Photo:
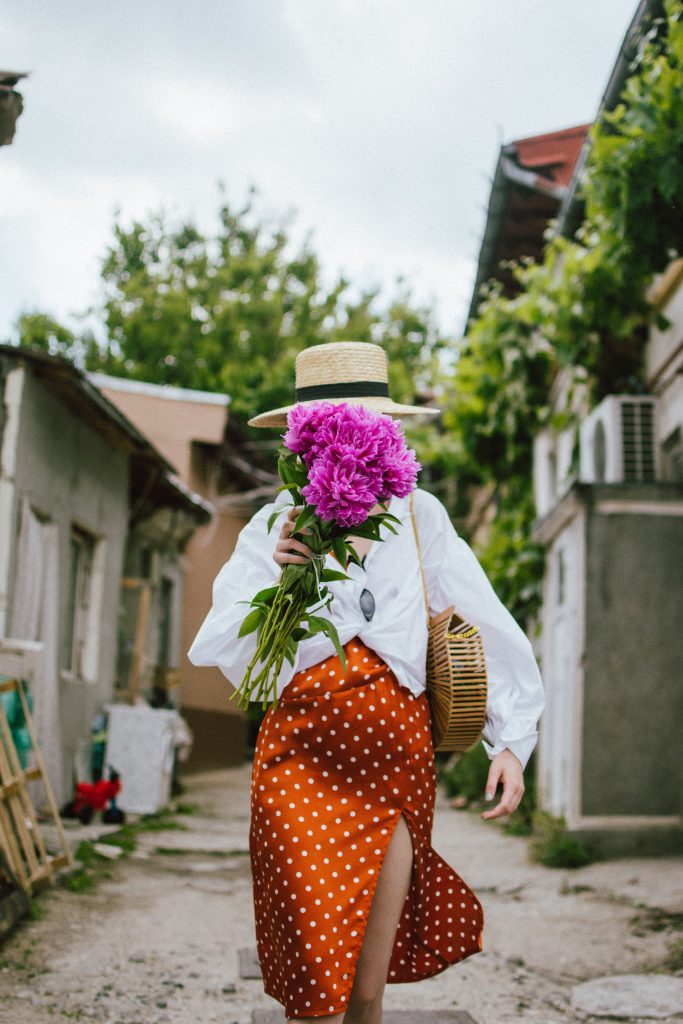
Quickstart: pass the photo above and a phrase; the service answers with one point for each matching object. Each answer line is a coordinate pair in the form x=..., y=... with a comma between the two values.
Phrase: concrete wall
x=59, y=467
x=633, y=697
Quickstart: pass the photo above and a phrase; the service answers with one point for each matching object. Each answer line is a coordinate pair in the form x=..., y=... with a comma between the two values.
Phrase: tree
x=229, y=312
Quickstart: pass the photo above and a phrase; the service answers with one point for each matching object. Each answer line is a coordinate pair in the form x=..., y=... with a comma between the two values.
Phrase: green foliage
x=92, y=868
x=553, y=846
x=467, y=777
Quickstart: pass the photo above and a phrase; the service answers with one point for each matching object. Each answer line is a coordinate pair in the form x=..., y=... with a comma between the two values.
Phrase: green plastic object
x=11, y=703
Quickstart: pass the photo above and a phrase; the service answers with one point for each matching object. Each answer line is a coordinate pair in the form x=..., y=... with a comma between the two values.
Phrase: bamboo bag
x=457, y=683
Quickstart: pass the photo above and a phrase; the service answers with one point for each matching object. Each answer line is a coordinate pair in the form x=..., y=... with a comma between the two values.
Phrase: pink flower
x=303, y=423
x=354, y=457
x=341, y=487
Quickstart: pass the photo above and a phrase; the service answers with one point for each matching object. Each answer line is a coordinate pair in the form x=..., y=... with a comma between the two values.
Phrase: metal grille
x=637, y=440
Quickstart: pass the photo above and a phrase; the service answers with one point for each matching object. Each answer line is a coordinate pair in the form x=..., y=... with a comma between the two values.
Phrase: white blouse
x=398, y=630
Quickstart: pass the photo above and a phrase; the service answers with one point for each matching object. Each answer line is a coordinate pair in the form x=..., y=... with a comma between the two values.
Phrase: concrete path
x=159, y=942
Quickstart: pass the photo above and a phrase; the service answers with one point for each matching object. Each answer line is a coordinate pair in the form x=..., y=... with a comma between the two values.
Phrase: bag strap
x=419, y=555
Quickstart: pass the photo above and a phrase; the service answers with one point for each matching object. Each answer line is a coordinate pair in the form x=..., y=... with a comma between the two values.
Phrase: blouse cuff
x=521, y=748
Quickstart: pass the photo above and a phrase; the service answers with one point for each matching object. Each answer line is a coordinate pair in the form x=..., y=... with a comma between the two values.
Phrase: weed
x=161, y=825
x=674, y=957
x=80, y=880
x=553, y=846
x=188, y=808
x=36, y=910
x=125, y=838
x=573, y=890
x=655, y=919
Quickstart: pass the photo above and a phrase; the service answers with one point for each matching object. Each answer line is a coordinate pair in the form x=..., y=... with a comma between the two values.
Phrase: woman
x=349, y=894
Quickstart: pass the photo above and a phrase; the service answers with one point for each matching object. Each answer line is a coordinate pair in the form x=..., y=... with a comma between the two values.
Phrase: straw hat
x=342, y=371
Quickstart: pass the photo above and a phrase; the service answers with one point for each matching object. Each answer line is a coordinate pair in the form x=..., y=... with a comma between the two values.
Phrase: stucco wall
x=72, y=475
x=633, y=699
x=171, y=423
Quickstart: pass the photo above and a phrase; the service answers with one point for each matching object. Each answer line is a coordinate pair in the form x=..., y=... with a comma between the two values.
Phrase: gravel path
x=158, y=941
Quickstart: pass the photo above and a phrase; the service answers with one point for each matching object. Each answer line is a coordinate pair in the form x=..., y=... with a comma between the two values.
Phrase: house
x=609, y=748
x=611, y=523
x=85, y=498
x=217, y=459
x=530, y=181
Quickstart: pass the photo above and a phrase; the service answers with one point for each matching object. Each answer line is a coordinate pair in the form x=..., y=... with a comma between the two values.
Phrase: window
x=82, y=550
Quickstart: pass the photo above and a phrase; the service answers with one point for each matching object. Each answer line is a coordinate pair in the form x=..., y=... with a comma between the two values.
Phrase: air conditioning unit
x=617, y=441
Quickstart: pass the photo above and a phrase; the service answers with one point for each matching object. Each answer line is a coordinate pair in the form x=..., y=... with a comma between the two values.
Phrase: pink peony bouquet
x=337, y=461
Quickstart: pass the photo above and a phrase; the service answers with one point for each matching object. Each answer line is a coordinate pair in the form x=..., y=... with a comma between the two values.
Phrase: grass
x=94, y=867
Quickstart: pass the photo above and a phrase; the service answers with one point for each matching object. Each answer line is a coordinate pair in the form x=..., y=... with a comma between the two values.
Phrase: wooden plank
x=38, y=772
x=139, y=642
x=21, y=839
x=21, y=808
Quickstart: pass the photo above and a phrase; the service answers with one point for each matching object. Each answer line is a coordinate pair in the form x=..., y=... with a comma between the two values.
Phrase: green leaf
x=340, y=549
x=306, y=516
x=329, y=575
x=266, y=596
x=273, y=515
x=251, y=622
x=290, y=651
x=320, y=625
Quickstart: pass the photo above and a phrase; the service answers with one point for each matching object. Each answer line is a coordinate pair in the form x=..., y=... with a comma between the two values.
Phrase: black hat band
x=351, y=389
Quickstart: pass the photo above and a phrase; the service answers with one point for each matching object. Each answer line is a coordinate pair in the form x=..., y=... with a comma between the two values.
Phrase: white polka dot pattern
x=336, y=763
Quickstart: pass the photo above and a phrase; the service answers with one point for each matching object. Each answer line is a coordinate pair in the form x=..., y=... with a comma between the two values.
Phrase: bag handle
x=419, y=555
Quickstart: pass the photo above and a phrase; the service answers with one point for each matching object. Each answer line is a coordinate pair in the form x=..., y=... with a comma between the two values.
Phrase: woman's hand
x=505, y=767
x=287, y=545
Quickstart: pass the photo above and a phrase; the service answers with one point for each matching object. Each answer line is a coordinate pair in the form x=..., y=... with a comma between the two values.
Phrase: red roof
x=552, y=155
x=529, y=183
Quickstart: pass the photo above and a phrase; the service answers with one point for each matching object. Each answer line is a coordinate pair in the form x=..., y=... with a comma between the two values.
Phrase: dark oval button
x=367, y=604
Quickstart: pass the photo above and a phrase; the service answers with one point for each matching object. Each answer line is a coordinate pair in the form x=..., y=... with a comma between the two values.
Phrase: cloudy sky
x=377, y=121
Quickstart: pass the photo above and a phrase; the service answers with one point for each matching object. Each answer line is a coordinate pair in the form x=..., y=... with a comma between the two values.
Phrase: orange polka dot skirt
x=336, y=763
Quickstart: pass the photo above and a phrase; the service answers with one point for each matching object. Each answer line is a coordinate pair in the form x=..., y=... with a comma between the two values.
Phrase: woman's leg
x=365, y=1005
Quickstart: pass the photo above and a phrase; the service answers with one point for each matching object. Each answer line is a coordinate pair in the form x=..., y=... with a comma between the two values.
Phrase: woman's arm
x=454, y=576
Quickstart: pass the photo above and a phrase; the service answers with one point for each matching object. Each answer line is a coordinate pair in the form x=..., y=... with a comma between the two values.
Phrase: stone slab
x=249, y=964
x=277, y=1016
x=655, y=996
